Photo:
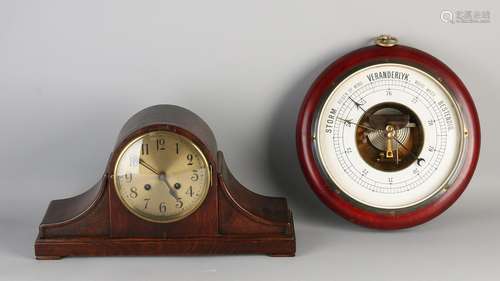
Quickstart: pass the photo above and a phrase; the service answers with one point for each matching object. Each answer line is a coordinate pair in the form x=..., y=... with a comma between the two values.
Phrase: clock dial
x=162, y=176
x=389, y=136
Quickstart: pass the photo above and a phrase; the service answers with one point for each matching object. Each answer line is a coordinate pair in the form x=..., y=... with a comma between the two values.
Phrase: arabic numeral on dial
x=133, y=192
x=364, y=172
x=160, y=144
x=145, y=149
x=414, y=100
x=179, y=204
x=430, y=122
x=348, y=150
x=146, y=202
x=190, y=159
x=163, y=207
x=134, y=161
x=128, y=177
x=195, y=176
x=388, y=93
x=390, y=180
x=190, y=191
x=431, y=148
x=415, y=171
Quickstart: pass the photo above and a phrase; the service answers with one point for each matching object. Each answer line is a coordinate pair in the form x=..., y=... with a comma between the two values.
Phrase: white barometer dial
x=389, y=136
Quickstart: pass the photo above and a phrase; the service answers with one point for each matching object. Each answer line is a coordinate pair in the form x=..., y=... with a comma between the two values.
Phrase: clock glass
x=162, y=176
x=389, y=136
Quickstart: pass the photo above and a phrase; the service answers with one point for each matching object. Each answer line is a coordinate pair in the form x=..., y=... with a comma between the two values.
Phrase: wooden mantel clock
x=166, y=191
x=388, y=136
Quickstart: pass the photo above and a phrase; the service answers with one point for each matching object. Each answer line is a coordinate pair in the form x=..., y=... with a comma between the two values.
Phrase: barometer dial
x=162, y=176
x=388, y=136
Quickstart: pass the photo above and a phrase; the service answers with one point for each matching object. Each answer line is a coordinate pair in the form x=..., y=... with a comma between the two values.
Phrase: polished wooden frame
x=231, y=220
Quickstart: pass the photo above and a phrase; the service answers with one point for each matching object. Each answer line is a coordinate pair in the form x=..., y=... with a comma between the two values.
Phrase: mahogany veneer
x=231, y=220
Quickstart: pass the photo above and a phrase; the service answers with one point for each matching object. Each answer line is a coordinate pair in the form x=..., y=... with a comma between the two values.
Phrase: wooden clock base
x=246, y=223
x=53, y=249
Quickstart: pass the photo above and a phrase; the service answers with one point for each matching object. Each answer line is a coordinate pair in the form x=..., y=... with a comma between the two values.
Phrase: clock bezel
x=131, y=138
x=329, y=193
x=174, y=218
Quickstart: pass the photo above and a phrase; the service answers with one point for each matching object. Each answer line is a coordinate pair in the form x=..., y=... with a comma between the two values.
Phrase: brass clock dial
x=162, y=177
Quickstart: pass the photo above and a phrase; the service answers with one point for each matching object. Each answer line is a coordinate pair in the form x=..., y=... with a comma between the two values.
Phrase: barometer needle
x=411, y=152
x=358, y=105
x=390, y=136
x=359, y=125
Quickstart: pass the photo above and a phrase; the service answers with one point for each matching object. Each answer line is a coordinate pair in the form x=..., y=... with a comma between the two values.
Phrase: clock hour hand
x=171, y=190
x=162, y=178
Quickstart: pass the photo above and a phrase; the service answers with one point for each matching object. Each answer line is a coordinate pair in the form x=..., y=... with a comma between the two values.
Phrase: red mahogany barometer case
x=388, y=136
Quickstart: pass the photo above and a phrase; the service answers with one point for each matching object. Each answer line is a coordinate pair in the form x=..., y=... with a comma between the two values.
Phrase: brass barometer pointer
x=390, y=136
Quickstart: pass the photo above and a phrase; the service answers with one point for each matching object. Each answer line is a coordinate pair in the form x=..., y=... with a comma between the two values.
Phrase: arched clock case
x=119, y=217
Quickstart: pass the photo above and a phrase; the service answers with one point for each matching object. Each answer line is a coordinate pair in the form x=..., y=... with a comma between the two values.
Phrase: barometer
x=166, y=190
x=388, y=136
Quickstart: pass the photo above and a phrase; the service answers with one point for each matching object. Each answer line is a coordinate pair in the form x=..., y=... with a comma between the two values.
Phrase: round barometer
x=388, y=136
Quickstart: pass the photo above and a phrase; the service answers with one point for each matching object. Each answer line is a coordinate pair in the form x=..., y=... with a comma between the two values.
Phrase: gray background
x=72, y=72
